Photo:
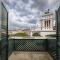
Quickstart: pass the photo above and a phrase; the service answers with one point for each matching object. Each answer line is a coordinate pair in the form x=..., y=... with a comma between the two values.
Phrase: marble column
x=51, y=23
x=43, y=24
x=46, y=24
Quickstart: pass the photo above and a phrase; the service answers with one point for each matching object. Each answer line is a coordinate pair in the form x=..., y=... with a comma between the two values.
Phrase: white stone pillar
x=43, y=24
x=46, y=25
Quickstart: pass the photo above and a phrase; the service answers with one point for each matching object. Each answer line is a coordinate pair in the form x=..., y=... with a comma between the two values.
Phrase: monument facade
x=47, y=21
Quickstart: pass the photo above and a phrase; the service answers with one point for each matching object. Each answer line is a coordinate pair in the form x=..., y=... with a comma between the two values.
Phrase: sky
x=26, y=13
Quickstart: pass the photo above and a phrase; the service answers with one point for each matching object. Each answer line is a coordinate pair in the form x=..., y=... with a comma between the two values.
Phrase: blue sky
x=25, y=13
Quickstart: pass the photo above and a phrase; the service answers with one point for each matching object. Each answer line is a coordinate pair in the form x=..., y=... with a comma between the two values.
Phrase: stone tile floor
x=30, y=56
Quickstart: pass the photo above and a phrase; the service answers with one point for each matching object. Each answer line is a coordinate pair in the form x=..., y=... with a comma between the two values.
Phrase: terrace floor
x=30, y=56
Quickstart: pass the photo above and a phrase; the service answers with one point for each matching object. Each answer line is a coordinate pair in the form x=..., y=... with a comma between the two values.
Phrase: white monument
x=47, y=21
x=45, y=25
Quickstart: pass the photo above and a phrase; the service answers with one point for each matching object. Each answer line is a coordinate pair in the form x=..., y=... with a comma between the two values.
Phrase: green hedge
x=21, y=34
x=36, y=34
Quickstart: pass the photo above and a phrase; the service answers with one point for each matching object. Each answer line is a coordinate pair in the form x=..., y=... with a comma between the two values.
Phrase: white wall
x=43, y=33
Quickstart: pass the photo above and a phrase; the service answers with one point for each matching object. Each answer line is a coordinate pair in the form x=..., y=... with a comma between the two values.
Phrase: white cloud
x=50, y=1
x=23, y=14
x=18, y=21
